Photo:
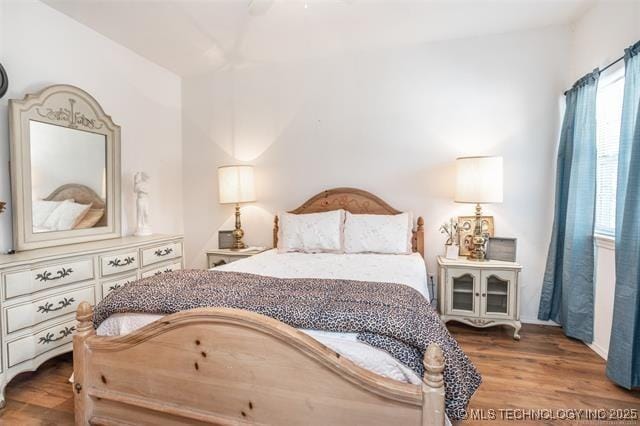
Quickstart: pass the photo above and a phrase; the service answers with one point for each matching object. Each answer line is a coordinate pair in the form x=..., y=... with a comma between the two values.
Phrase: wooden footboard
x=228, y=366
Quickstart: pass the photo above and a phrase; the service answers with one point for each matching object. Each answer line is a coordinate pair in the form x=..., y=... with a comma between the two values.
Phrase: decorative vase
x=452, y=251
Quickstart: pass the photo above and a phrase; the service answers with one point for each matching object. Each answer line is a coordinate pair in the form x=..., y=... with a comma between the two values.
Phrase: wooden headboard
x=355, y=201
x=80, y=194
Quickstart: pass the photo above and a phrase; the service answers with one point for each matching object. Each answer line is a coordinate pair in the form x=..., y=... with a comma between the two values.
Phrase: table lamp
x=236, y=185
x=478, y=181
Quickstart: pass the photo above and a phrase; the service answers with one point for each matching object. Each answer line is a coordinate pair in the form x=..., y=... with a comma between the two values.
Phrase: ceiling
x=198, y=36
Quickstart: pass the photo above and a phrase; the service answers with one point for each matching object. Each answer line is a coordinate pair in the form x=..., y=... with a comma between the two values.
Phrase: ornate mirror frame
x=71, y=107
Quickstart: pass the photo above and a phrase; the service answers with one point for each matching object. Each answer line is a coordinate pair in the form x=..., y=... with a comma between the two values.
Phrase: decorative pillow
x=66, y=216
x=378, y=233
x=90, y=219
x=311, y=232
x=41, y=211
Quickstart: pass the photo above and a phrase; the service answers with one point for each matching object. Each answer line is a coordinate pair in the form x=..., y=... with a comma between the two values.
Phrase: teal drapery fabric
x=567, y=289
x=623, y=363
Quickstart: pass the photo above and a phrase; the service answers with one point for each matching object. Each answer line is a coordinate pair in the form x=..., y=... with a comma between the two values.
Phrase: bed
x=366, y=267
x=232, y=366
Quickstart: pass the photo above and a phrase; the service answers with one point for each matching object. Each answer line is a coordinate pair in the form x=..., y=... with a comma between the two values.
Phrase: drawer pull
x=219, y=263
x=48, y=306
x=47, y=276
x=119, y=262
x=163, y=272
x=63, y=333
x=163, y=252
x=117, y=286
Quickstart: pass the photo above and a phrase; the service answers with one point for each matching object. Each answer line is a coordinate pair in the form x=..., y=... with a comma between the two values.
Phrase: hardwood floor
x=41, y=398
x=544, y=370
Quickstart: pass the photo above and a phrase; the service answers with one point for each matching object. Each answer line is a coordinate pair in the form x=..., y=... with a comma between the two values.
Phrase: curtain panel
x=567, y=290
x=623, y=363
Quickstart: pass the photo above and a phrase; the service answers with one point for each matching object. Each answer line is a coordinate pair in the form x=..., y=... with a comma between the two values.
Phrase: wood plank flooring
x=544, y=370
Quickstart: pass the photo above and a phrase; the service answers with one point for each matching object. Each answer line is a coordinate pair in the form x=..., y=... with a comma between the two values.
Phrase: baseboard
x=599, y=350
x=538, y=322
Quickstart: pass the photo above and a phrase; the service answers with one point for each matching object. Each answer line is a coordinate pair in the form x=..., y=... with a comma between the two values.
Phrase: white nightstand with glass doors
x=479, y=293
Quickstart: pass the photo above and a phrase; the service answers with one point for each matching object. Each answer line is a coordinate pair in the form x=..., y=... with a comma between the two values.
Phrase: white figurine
x=142, y=203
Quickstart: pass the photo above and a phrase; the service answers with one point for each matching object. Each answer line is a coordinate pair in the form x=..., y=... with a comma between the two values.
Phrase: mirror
x=64, y=163
x=65, y=169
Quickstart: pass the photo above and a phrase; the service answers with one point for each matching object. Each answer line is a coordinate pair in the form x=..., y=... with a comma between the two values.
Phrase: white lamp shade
x=236, y=184
x=479, y=180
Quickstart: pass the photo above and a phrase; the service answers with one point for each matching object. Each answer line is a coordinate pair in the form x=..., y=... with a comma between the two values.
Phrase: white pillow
x=378, y=233
x=66, y=216
x=311, y=232
x=41, y=211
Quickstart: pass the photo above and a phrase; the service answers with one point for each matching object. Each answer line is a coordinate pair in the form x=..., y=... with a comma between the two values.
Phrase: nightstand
x=219, y=257
x=479, y=293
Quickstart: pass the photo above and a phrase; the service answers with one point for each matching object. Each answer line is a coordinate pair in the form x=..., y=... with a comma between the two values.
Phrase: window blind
x=608, y=118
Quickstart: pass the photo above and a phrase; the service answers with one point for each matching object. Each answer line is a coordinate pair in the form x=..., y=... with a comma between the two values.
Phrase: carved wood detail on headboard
x=355, y=201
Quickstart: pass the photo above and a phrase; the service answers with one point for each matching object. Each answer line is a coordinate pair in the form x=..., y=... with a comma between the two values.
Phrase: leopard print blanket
x=392, y=317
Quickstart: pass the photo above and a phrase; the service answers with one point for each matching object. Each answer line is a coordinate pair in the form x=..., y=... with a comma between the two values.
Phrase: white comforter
x=402, y=269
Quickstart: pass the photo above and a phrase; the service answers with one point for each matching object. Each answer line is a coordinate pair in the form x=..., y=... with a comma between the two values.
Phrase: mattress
x=401, y=269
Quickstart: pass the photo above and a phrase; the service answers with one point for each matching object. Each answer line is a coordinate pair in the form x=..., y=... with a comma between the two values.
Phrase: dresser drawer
x=109, y=286
x=47, y=308
x=50, y=338
x=117, y=263
x=161, y=253
x=162, y=270
x=44, y=277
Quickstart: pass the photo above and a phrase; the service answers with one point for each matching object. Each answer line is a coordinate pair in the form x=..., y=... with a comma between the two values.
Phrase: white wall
x=40, y=46
x=601, y=35
x=597, y=38
x=390, y=121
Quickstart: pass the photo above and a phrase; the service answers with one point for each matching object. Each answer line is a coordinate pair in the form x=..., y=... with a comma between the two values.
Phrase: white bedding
x=403, y=269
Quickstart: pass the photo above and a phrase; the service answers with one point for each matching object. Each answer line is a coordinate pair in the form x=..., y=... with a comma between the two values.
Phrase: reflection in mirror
x=68, y=178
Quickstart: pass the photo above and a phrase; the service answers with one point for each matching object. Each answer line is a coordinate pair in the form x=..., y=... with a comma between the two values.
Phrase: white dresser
x=41, y=289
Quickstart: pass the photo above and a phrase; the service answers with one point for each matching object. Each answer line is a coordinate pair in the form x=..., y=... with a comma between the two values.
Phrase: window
x=608, y=118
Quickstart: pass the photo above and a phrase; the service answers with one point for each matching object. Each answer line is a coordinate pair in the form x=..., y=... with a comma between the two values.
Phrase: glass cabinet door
x=496, y=293
x=464, y=292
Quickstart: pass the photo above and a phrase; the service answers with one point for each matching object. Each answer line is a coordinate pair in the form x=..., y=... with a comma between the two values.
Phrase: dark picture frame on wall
x=504, y=249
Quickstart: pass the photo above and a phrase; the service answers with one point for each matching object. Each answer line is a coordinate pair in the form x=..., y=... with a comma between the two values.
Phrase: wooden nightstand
x=219, y=257
x=479, y=293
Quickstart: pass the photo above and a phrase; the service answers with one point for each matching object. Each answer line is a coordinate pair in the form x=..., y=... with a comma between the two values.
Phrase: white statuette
x=140, y=187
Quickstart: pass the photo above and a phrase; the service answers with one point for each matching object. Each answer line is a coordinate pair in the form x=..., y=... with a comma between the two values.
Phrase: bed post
x=433, y=387
x=275, y=232
x=85, y=329
x=420, y=237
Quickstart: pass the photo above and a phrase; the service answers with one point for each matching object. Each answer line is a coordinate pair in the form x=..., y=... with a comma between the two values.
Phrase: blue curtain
x=567, y=289
x=623, y=364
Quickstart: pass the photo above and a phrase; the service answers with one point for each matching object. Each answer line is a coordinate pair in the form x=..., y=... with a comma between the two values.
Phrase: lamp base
x=479, y=241
x=238, y=233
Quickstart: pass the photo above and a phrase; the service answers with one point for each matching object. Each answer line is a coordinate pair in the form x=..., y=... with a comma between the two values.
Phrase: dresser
x=41, y=289
x=479, y=293
x=219, y=257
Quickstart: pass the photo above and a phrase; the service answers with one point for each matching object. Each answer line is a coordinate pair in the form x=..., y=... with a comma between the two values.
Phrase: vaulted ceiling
x=198, y=36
